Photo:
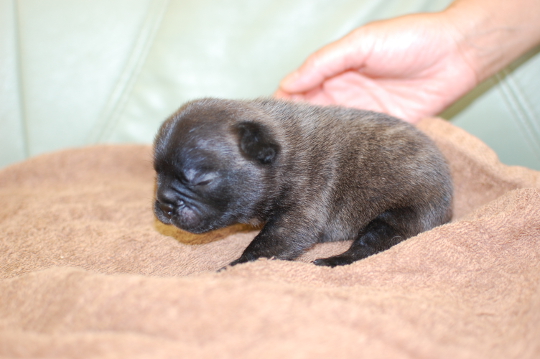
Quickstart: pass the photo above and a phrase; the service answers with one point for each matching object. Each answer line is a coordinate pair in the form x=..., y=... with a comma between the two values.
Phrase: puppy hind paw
x=334, y=261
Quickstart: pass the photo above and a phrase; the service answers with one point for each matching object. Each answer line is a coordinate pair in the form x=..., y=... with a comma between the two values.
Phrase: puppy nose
x=167, y=209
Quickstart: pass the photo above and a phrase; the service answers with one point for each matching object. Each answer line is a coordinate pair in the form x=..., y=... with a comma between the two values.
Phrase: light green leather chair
x=76, y=73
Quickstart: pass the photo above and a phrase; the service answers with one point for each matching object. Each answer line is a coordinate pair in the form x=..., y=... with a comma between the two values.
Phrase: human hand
x=409, y=67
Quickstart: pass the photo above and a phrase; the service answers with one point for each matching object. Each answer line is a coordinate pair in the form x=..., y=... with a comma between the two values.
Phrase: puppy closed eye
x=203, y=183
x=204, y=180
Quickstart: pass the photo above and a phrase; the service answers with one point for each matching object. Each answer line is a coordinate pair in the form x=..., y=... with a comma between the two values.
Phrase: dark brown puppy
x=311, y=174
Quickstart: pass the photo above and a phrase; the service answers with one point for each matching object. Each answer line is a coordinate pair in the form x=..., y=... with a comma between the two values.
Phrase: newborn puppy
x=310, y=174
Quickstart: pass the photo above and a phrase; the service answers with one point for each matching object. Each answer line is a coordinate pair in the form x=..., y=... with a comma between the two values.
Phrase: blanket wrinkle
x=86, y=271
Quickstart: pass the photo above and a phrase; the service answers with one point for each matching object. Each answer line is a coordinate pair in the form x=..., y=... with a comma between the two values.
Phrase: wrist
x=492, y=33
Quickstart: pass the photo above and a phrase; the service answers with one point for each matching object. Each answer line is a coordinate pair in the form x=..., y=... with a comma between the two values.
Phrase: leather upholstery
x=76, y=73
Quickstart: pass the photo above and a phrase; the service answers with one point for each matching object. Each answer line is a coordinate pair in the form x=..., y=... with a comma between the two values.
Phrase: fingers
x=333, y=59
x=286, y=96
x=282, y=94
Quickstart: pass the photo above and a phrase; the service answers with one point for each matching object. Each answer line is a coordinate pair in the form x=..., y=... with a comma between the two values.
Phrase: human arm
x=417, y=65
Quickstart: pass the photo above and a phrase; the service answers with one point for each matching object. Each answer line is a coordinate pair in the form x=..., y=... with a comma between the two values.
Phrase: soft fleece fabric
x=87, y=272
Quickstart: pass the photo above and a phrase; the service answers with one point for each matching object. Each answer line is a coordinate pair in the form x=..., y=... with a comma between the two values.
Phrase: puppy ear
x=257, y=143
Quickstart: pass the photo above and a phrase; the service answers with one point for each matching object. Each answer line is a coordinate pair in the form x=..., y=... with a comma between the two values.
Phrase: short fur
x=311, y=174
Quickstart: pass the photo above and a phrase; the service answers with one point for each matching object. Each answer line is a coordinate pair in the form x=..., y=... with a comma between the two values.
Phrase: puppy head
x=213, y=161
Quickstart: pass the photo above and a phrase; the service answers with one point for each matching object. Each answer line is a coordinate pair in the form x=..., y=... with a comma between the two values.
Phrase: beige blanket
x=87, y=272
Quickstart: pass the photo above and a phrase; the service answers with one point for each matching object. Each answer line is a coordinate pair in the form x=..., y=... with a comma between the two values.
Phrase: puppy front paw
x=238, y=261
x=233, y=263
x=244, y=258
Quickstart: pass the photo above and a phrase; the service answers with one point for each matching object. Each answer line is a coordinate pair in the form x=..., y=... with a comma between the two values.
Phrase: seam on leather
x=518, y=103
x=23, y=120
x=121, y=93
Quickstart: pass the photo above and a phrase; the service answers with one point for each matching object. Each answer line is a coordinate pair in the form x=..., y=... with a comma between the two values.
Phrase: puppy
x=310, y=174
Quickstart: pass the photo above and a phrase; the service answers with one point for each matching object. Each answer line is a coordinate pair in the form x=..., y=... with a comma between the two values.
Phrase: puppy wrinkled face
x=202, y=174
x=185, y=197
x=192, y=183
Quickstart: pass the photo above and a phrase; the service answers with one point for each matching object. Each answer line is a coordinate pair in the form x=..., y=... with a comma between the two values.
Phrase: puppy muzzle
x=180, y=215
x=166, y=209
